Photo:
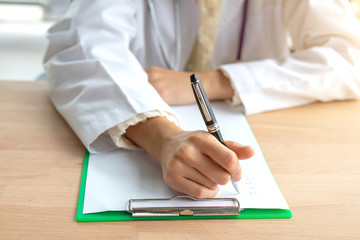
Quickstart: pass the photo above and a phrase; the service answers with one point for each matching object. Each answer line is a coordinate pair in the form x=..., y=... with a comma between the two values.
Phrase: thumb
x=242, y=152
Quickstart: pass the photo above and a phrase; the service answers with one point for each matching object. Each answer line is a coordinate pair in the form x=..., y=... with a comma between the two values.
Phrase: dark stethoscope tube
x=242, y=29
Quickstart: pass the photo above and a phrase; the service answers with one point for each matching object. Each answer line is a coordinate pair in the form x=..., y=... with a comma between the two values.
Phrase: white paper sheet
x=114, y=178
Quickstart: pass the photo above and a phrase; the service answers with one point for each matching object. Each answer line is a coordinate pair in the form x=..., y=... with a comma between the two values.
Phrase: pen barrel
x=203, y=103
x=218, y=136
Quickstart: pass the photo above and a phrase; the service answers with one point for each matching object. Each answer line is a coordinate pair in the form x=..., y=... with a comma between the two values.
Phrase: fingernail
x=236, y=179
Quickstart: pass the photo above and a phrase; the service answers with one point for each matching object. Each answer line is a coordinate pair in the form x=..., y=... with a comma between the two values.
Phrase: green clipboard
x=248, y=213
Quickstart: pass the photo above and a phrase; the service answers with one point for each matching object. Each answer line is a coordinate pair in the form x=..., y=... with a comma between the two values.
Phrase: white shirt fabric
x=98, y=51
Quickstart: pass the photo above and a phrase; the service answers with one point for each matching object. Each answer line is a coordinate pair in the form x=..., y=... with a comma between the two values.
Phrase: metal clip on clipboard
x=200, y=207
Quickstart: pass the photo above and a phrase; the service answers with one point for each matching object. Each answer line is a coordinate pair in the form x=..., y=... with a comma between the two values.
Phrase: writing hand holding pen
x=192, y=162
x=208, y=114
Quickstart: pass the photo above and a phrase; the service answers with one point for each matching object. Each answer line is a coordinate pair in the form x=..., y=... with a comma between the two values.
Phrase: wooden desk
x=313, y=151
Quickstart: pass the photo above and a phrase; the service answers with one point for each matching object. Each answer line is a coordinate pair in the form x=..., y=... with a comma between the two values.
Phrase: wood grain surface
x=313, y=152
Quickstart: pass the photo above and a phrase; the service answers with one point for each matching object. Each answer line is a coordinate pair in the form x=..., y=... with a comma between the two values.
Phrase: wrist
x=217, y=86
x=151, y=135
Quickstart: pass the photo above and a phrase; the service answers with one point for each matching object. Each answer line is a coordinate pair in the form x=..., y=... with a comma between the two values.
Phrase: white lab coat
x=97, y=52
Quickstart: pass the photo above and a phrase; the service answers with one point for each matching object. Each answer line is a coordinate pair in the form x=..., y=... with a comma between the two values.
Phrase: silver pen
x=207, y=113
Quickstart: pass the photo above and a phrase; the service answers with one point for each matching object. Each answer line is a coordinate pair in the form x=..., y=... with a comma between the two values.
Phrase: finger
x=222, y=155
x=212, y=170
x=198, y=177
x=194, y=189
x=242, y=152
x=206, y=166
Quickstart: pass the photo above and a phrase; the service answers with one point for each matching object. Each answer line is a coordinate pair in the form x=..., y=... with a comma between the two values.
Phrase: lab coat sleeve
x=94, y=80
x=324, y=67
x=117, y=132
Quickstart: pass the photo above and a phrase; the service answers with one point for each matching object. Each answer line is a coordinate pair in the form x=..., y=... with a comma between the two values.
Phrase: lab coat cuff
x=241, y=79
x=117, y=132
x=235, y=100
x=244, y=83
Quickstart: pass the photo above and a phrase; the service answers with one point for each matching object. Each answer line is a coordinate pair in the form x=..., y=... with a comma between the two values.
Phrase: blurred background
x=23, y=24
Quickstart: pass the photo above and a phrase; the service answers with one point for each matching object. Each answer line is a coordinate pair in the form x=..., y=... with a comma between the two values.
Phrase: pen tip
x=194, y=78
x=235, y=186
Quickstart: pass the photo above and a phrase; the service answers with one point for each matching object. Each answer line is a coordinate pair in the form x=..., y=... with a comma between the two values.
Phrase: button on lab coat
x=98, y=51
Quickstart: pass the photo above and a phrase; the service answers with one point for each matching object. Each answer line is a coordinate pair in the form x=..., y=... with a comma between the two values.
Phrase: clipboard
x=247, y=213
x=238, y=210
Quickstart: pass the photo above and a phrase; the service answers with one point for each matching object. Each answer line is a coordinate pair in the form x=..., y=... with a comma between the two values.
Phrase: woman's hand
x=174, y=87
x=194, y=162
